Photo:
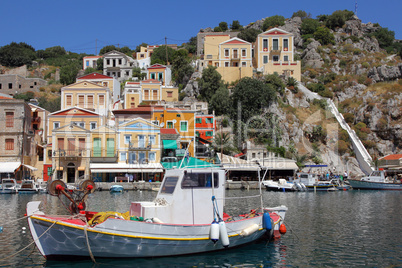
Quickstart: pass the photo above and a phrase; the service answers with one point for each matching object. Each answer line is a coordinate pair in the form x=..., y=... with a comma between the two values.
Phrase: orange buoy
x=282, y=229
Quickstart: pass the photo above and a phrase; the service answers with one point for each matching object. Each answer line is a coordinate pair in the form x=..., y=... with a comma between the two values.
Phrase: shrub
x=309, y=26
x=273, y=21
x=338, y=18
x=349, y=118
x=324, y=36
x=342, y=147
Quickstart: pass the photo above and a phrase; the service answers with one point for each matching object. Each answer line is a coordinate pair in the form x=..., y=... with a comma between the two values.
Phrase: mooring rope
x=19, y=251
x=89, y=247
x=239, y=197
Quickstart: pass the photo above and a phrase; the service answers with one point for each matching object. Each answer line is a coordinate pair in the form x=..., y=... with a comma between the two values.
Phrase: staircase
x=362, y=156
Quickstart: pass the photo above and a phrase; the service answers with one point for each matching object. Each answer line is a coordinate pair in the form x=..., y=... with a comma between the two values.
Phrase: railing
x=36, y=119
x=276, y=48
x=70, y=153
x=135, y=146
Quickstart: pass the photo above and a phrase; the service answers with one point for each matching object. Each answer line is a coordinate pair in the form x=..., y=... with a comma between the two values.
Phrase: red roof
x=168, y=131
x=235, y=42
x=157, y=66
x=3, y=98
x=91, y=57
x=151, y=81
x=392, y=157
x=94, y=76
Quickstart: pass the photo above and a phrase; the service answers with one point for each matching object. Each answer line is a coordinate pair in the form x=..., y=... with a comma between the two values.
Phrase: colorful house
x=90, y=62
x=118, y=65
x=103, y=80
x=87, y=95
x=274, y=53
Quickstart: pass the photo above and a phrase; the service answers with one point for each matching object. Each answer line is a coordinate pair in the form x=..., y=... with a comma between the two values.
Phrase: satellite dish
x=162, y=124
x=174, y=121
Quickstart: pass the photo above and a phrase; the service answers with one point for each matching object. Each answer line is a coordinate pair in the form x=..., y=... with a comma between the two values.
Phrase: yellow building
x=232, y=56
x=103, y=80
x=274, y=52
x=87, y=95
x=181, y=120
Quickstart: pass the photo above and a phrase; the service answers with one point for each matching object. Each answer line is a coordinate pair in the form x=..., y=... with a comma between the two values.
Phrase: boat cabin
x=306, y=178
x=185, y=197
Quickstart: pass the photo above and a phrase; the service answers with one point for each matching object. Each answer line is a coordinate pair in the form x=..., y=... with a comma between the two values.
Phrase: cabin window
x=169, y=184
x=199, y=180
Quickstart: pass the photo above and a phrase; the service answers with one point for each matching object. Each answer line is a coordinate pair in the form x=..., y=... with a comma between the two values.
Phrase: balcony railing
x=70, y=153
x=133, y=146
x=36, y=119
x=276, y=48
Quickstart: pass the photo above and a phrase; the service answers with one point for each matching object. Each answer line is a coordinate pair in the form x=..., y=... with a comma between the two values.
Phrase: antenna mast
x=356, y=8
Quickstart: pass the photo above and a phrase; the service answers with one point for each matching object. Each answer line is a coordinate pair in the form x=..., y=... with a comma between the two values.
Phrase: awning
x=30, y=167
x=126, y=168
x=169, y=144
x=9, y=167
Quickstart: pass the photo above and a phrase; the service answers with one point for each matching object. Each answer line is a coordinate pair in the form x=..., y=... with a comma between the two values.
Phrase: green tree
x=209, y=83
x=249, y=34
x=220, y=102
x=17, y=54
x=137, y=73
x=309, y=26
x=182, y=68
x=126, y=50
x=90, y=70
x=338, y=18
x=25, y=96
x=99, y=64
x=52, y=105
x=217, y=29
x=159, y=55
x=107, y=49
x=191, y=45
x=252, y=96
x=273, y=21
x=324, y=36
x=224, y=26
x=276, y=82
x=51, y=52
x=302, y=14
x=236, y=26
x=68, y=73
x=385, y=37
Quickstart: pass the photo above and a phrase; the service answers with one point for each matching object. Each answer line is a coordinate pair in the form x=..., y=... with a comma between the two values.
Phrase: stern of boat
x=279, y=226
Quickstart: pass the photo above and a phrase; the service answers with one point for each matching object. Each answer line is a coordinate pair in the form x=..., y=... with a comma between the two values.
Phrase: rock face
x=385, y=73
x=311, y=57
x=192, y=89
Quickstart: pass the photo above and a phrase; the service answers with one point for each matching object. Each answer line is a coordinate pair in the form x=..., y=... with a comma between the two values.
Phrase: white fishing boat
x=187, y=217
x=28, y=187
x=312, y=183
x=116, y=188
x=379, y=180
x=283, y=185
x=8, y=186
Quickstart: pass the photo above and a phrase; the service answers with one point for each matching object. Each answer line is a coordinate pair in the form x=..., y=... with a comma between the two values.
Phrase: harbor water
x=339, y=229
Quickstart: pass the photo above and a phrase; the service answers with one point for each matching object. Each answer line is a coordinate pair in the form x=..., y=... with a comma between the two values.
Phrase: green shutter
x=110, y=147
x=97, y=147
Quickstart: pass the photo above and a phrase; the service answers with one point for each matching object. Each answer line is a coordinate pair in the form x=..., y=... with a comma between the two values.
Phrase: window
x=81, y=124
x=152, y=156
x=123, y=156
x=120, y=61
x=81, y=145
x=108, y=62
x=68, y=100
x=170, y=94
x=60, y=143
x=197, y=134
x=49, y=171
x=235, y=64
x=201, y=180
x=169, y=124
x=87, y=62
x=226, y=52
x=10, y=85
x=151, y=140
x=153, y=75
x=56, y=125
x=285, y=58
x=226, y=64
x=244, y=64
x=127, y=73
x=275, y=44
x=90, y=101
x=9, y=144
x=9, y=119
x=235, y=55
x=183, y=126
x=71, y=146
x=265, y=59
x=275, y=58
x=141, y=141
x=209, y=120
x=97, y=145
x=101, y=100
x=132, y=102
x=285, y=44
x=198, y=120
x=146, y=94
x=160, y=76
x=127, y=139
x=109, y=147
x=105, y=84
x=141, y=157
x=132, y=157
x=265, y=44
x=169, y=184
x=244, y=52
x=209, y=133
x=81, y=100
x=93, y=125
x=155, y=94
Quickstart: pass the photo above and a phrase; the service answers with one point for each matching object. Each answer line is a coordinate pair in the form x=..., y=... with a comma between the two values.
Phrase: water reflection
x=350, y=228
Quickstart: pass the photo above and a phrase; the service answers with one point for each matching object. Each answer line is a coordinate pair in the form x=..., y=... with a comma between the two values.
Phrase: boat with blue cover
x=116, y=188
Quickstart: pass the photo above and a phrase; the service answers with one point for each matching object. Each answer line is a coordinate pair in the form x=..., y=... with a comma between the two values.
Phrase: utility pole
x=167, y=59
x=96, y=46
x=356, y=8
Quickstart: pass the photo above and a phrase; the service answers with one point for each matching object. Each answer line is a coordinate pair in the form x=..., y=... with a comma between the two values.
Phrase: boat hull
x=369, y=185
x=58, y=238
x=280, y=189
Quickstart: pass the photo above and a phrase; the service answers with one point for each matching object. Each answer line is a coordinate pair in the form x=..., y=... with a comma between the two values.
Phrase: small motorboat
x=378, y=180
x=116, y=188
x=28, y=187
x=186, y=217
x=8, y=186
x=281, y=186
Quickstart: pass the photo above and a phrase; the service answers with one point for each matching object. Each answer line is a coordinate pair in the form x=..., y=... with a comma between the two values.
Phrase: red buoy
x=282, y=229
x=59, y=187
x=89, y=187
x=81, y=207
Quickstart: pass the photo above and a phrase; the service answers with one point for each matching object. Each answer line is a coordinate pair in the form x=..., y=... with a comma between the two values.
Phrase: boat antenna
x=259, y=183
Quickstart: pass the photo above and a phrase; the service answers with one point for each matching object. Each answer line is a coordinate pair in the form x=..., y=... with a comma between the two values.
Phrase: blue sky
x=76, y=25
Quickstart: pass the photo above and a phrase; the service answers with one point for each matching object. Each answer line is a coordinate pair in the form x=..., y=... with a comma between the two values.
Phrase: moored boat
x=186, y=217
x=312, y=183
x=283, y=185
x=8, y=186
x=116, y=188
x=378, y=180
x=28, y=187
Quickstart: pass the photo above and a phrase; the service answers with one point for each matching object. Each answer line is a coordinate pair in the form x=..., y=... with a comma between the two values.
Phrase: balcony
x=36, y=119
x=276, y=49
x=136, y=147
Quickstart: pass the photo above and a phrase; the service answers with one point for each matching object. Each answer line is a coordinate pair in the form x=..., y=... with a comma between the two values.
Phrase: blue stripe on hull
x=365, y=185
